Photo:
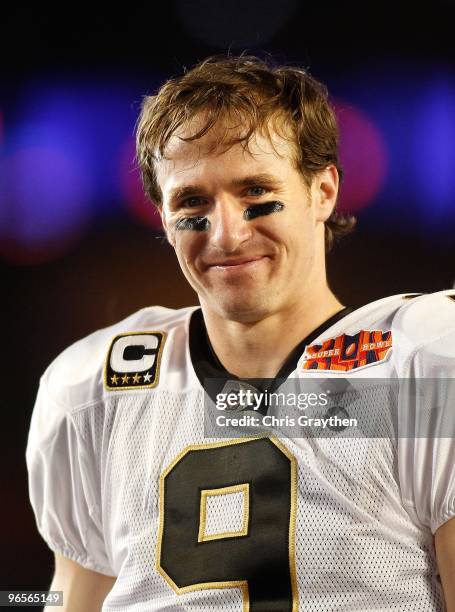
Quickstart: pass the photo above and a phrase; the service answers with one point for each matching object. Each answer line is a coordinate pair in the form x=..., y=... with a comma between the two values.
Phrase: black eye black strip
x=259, y=210
x=198, y=224
x=202, y=224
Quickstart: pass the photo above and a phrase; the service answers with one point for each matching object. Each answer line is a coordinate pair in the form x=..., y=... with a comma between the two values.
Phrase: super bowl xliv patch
x=345, y=352
x=133, y=361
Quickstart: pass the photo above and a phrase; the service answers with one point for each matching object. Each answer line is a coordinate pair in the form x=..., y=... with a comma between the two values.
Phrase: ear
x=169, y=235
x=325, y=185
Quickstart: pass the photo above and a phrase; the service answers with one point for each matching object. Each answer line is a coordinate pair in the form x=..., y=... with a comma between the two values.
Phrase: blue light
x=60, y=165
x=92, y=121
x=414, y=110
x=434, y=151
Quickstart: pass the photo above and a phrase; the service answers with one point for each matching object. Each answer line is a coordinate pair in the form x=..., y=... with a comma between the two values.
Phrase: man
x=144, y=512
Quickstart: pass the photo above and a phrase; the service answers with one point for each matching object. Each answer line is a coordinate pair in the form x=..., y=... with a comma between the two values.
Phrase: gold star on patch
x=114, y=379
x=136, y=378
x=125, y=379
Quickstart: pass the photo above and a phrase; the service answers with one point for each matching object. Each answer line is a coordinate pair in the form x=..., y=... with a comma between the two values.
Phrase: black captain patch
x=133, y=361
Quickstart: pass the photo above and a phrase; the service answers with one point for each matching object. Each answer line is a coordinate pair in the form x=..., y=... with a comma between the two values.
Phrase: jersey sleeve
x=64, y=485
x=426, y=445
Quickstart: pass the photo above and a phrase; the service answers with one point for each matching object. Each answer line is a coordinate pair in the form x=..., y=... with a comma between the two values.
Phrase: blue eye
x=192, y=202
x=256, y=191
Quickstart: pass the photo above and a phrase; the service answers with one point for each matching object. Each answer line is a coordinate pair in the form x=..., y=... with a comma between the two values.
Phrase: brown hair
x=259, y=95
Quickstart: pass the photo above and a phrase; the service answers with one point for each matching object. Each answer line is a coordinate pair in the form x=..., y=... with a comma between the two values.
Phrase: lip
x=238, y=263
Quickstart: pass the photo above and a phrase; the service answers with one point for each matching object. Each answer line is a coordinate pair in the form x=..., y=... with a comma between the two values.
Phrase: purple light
x=363, y=156
x=59, y=167
x=44, y=204
x=91, y=120
x=434, y=151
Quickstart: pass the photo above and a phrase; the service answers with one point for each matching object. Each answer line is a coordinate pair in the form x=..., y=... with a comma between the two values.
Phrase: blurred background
x=80, y=248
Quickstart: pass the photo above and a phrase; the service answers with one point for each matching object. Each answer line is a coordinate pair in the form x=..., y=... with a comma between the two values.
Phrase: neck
x=259, y=349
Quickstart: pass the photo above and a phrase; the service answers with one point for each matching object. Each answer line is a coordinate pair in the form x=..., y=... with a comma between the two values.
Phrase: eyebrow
x=257, y=179
x=187, y=191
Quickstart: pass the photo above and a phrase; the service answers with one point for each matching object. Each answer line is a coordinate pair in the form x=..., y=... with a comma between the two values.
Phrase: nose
x=228, y=228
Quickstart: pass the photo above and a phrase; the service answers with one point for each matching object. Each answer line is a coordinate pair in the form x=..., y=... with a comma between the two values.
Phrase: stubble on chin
x=247, y=309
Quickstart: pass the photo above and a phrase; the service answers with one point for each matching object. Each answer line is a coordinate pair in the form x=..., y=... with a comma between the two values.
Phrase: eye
x=257, y=191
x=192, y=202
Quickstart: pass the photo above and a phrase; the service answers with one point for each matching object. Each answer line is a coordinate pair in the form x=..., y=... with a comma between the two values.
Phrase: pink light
x=138, y=205
x=364, y=157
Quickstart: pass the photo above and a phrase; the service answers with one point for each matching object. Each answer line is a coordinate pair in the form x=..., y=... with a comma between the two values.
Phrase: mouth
x=236, y=264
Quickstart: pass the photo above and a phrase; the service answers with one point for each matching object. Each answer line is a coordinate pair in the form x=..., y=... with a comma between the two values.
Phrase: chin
x=243, y=311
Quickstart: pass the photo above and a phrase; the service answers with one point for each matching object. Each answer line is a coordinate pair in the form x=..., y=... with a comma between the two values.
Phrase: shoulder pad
x=426, y=317
x=75, y=377
x=424, y=331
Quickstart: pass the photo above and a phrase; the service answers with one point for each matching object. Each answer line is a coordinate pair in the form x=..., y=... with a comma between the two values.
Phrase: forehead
x=217, y=153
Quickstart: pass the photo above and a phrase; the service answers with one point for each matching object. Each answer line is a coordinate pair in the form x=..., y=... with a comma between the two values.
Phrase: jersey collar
x=207, y=365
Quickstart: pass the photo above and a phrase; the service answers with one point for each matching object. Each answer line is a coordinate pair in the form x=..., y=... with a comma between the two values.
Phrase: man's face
x=247, y=231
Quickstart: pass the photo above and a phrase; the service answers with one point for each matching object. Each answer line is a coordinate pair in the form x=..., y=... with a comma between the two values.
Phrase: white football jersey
x=123, y=481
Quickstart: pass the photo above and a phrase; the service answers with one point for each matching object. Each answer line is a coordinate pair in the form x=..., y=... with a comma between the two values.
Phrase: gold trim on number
x=205, y=493
x=242, y=584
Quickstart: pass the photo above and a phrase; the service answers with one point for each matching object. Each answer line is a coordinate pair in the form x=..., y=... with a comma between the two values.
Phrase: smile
x=238, y=264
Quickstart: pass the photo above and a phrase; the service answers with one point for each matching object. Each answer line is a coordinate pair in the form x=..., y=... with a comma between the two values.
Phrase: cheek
x=188, y=245
x=298, y=239
x=287, y=233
